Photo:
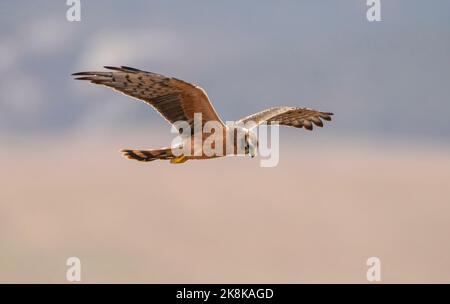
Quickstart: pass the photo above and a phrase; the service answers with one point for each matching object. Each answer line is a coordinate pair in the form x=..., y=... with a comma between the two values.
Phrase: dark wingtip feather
x=83, y=78
x=130, y=69
x=325, y=115
x=112, y=68
x=122, y=68
x=80, y=74
x=318, y=123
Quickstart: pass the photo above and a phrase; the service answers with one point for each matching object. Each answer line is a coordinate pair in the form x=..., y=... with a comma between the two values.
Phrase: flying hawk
x=177, y=100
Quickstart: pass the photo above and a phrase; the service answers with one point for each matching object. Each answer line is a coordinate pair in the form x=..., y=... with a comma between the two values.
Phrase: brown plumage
x=289, y=116
x=177, y=100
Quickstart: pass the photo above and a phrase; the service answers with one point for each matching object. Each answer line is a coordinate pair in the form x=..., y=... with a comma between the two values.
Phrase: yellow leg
x=178, y=160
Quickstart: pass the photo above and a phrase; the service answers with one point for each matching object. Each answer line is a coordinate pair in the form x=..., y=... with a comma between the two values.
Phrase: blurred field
x=316, y=217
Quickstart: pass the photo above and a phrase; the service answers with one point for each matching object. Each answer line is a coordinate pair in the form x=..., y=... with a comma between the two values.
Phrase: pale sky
x=387, y=78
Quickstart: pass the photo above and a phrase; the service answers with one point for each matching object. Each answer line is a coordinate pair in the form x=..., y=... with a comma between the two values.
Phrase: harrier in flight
x=177, y=100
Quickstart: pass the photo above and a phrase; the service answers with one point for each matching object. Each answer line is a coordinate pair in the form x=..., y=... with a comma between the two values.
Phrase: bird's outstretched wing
x=289, y=116
x=175, y=99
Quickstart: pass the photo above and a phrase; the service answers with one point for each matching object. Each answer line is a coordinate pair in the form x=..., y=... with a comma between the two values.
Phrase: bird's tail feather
x=149, y=155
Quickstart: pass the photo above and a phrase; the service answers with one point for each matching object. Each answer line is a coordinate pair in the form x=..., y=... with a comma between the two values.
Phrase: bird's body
x=187, y=107
x=196, y=148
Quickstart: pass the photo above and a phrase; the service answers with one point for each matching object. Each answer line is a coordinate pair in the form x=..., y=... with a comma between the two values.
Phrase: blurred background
x=373, y=182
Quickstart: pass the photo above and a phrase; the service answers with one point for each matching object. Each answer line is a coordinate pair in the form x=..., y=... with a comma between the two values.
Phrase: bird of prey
x=177, y=100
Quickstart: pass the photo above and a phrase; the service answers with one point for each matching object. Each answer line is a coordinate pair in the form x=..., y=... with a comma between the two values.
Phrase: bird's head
x=251, y=143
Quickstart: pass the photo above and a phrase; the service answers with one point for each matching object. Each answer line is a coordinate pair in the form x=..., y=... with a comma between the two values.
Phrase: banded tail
x=151, y=155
